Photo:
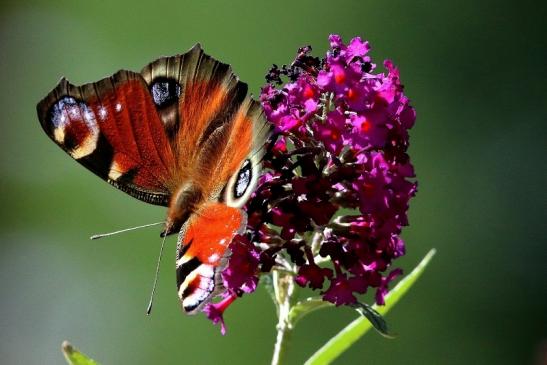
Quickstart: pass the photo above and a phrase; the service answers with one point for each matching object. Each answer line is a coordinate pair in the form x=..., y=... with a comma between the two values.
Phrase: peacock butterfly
x=183, y=133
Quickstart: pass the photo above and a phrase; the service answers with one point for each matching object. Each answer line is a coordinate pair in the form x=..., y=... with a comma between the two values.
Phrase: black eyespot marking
x=244, y=177
x=165, y=92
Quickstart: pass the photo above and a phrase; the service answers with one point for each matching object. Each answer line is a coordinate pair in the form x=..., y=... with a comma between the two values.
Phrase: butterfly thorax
x=183, y=203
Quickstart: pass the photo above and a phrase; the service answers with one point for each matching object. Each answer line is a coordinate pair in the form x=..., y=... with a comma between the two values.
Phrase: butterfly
x=183, y=133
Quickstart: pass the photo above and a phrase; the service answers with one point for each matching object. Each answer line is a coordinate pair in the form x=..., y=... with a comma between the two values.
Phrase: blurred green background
x=475, y=71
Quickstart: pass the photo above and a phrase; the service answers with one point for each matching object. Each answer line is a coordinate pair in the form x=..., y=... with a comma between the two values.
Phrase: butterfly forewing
x=112, y=128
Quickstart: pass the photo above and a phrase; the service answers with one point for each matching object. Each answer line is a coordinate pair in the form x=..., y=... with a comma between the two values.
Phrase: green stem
x=284, y=290
x=283, y=334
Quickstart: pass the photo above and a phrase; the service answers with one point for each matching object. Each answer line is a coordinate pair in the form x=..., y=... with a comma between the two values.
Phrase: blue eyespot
x=165, y=92
x=244, y=177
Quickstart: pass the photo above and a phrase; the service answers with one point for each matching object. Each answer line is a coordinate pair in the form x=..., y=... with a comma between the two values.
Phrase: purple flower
x=357, y=48
x=215, y=311
x=372, y=186
x=347, y=151
x=240, y=274
x=312, y=275
x=335, y=189
x=369, y=130
x=332, y=131
x=338, y=79
x=342, y=288
x=382, y=289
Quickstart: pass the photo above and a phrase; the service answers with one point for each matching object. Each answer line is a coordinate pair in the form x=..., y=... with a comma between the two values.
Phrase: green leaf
x=352, y=332
x=375, y=318
x=304, y=307
x=75, y=357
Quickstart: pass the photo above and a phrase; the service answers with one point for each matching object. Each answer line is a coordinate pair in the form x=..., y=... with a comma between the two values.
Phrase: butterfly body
x=183, y=134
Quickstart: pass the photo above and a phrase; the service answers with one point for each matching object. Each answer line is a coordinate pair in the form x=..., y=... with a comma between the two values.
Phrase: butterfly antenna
x=101, y=235
x=149, y=308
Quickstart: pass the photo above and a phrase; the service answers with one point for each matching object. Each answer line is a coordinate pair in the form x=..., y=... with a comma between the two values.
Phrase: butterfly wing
x=214, y=123
x=202, y=248
x=112, y=128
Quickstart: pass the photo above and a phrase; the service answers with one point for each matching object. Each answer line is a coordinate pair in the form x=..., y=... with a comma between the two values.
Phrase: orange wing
x=202, y=250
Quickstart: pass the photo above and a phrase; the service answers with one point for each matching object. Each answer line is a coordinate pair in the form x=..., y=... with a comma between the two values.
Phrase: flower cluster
x=337, y=181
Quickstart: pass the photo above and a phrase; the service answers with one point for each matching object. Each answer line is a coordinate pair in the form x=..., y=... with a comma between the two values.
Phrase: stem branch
x=284, y=289
x=281, y=341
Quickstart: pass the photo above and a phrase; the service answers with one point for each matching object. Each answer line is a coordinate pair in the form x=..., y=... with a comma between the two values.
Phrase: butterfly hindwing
x=202, y=252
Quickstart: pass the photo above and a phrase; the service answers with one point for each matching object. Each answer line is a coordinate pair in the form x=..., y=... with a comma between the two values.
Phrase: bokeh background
x=476, y=73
